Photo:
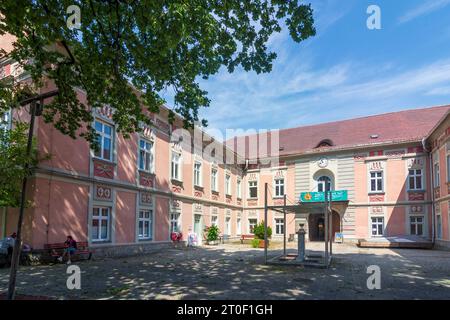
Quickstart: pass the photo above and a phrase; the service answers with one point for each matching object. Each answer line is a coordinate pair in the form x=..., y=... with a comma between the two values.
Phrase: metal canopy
x=310, y=207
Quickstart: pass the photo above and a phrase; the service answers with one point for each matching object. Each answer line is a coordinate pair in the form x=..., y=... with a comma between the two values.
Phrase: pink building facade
x=133, y=193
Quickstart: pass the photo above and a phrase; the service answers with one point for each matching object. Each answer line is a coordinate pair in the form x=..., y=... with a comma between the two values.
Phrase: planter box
x=261, y=243
x=212, y=243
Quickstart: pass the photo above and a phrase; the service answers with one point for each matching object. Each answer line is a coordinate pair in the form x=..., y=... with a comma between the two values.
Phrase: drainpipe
x=433, y=211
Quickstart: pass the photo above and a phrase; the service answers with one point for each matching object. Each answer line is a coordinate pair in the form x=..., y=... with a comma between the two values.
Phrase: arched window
x=325, y=143
x=324, y=184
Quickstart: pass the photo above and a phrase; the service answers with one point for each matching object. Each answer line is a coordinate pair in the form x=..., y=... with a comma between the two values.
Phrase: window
x=145, y=155
x=239, y=188
x=376, y=181
x=377, y=226
x=416, y=226
x=198, y=174
x=415, y=179
x=104, y=140
x=145, y=224
x=439, y=226
x=228, y=184
x=214, y=220
x=174, y=222
x=437, y=182
x=279, y=187
x=252, y=224
x=253, y=189
x=238, y=226
x=214, y=179
x=228, y=225
x=175, y=167
x=324, y=184
x=448, y=168
x=100, y=224
x=279, y=226
x=4, y=121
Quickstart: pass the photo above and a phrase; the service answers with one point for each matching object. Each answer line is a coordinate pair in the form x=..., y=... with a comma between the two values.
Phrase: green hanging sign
x=337, y=195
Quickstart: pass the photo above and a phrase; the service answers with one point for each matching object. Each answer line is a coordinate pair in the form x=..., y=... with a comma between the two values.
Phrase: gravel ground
x=235, y=271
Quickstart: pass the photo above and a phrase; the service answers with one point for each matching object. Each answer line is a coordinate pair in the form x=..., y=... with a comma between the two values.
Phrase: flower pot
x=213, y=242
x=261, y=243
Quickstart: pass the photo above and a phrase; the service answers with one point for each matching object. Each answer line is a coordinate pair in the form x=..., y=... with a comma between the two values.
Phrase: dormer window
x=325, y=143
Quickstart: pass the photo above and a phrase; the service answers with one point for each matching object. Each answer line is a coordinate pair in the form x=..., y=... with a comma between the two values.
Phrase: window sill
x=215, y=192
x=252, y=198
x=372, y=193
x=145, y=240
x=278, y=197
x=104, y=160
x=176, y=181
x=416, y=191
x=198, y=187
x=146, y=172
x=228, y=195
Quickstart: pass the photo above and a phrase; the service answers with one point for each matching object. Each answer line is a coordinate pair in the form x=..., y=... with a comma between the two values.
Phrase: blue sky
x=345, y=71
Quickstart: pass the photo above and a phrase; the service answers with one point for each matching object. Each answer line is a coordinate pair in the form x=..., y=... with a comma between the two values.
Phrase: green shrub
x=212, y=233
x=255, y=243
x=258, y=231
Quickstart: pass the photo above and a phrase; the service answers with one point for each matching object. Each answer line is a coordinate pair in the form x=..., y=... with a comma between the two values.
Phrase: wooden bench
x=56, y=250
x=247, y=237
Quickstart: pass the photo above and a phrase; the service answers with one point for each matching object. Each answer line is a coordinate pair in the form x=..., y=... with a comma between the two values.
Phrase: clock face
x=323, y=162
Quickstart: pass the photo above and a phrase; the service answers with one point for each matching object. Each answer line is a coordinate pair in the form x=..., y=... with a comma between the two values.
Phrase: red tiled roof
x=394, y=127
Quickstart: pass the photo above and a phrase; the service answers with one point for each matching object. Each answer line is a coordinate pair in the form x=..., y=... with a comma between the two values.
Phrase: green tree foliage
x=258, y=231
x=127, y=52
x=13, y=158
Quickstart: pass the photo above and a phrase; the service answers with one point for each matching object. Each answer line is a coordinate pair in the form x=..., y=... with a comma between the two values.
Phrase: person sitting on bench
x=70, y=249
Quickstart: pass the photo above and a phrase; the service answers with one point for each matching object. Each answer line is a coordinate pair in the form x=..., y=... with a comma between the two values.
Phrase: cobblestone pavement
x=236, y=271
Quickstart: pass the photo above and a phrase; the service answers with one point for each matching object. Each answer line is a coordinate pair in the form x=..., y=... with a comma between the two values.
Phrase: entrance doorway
x=316, y=223
x=198, y=227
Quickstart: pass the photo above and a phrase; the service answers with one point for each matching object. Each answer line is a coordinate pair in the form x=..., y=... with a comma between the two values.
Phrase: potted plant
x=212, y=235
x=258, y=231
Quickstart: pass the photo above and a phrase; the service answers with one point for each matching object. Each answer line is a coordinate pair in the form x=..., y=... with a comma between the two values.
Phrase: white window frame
x=416, y=224
x=323, y=183
x=278, y=186
x=144, y=219
x=249, y=189
x=277, y=225
x=377, y=223
x=415, y=176
x=249, y=229
x=228, y=225
x=228, y=184
x=5, y=121
x=376, y=178
x=239, y=188
x=101, y=218
x=437, y=174
x=198, y=180
x=102, y=136
x=215, y=221
x=148, y=154
x=175, y=165
x=214, y=178
x=238, y=225
x=174, y=220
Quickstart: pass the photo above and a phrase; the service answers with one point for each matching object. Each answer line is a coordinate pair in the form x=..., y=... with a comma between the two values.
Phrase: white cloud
x=440, y=91
x=425, y=8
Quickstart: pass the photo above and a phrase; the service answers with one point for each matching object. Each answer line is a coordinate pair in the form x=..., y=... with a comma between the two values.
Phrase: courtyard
x=235, y=271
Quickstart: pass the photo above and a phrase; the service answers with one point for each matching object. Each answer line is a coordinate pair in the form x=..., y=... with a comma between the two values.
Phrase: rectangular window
x=146, y=155
x=252, y=224
x=253, y=189
x=104, y=141
x=175, y=166
x=214, y=179
x=439, y=226
x=101, y=224
x=437, y=182
x=376, y=181
x=214, y=221
x=416, y=225
x=377, y=226
x=415, y=179
x=198, y=174
x=279, y=226
x=5, y=121
x=228, y=184
x=448, y=168
x=174, y=222
x=145, y=224
x=239, y=188
x=228, y=225
x=279, y=187
x=238, y=226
